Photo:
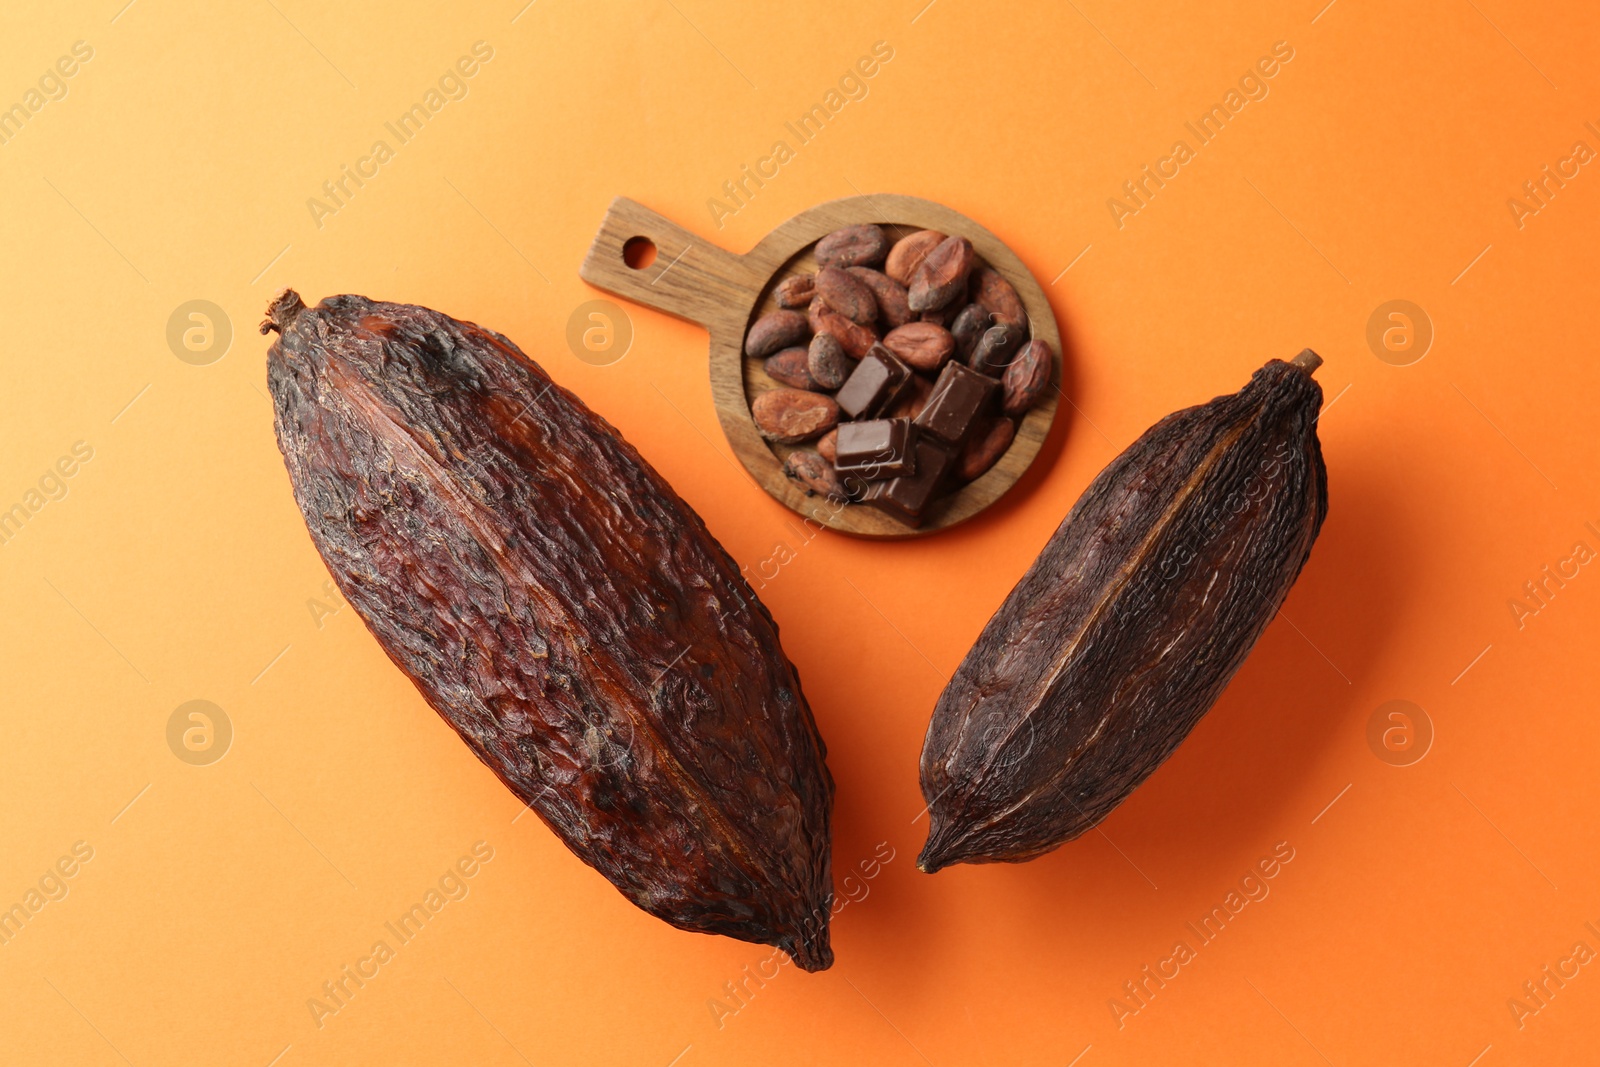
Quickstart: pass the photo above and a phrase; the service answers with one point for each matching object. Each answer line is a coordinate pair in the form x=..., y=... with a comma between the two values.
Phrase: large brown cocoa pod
x=564, y=610
x=1129, y=625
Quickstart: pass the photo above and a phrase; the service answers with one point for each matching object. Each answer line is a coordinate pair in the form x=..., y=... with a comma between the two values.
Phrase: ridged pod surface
x=564, y=610
x=1130, y=623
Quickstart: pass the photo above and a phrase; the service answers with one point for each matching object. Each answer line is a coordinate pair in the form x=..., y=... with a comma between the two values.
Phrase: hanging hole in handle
x=639, y=252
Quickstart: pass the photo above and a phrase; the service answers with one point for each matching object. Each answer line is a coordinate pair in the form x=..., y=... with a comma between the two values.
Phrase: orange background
x=176, y=567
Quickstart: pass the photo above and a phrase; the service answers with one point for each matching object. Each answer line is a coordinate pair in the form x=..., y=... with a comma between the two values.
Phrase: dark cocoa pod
x=853, y=246
x=909, y=252
x=967, y=328
x=848, y=295
x=790, y=416
x=815, y=474
x=921, y=345
x=826, y=364
x=942, y=275
x=796, y=291
x=984, y=448
x=893, y=308
x=1130, y=623
x=775, y=330
x=1026, y=379
x=996, y=296
x=791, y=367
x=563, y=609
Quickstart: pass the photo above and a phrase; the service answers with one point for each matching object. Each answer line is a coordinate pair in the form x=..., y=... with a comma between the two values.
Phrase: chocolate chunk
x=877, y=448
x=907, y=497
x=874, y=384
x=959, y=397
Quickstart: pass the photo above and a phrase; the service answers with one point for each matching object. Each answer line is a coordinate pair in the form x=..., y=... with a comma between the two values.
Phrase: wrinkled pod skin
x=1128, y=626
x=561, y=607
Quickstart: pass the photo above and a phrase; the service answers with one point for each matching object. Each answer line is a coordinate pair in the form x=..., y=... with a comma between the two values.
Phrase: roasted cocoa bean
x=796, y=290
x=827, y=445
x=995, y=350
x=984, y=448
x=775, y=330
x=826, y=363
x=847, y=295
x=790, y=367
x=563, y=609
x=890, y=295
x=921, y=345
x=790, y=416
x=996, y=296
x=1026, y=379
x=815, y=474
x=853, y=246
x=909, y=252
x=942, y=275
x=856, y=340
x=912, y=401
x=1130, y=623
x=967, y=328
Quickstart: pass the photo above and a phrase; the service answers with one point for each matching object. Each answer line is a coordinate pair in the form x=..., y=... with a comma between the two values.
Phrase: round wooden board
x=725, y=292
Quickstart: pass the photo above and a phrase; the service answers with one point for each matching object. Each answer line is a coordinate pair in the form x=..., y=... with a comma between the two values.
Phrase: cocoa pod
x=909, y=252
x=967, y=328
x=790, y=416
x=856, y=340
x=942, y=275
x=775, y=330
x=1026, y=379
x=853, y=246
x=995, y=295
x=890, y=295
x=847, y=295
x=563, y=609
x=1130, y=623
x=995, y=350
x=815, y=474
x=828, y=445
x=795, y=291
x=984, y=448
x=791, y=367
x=921, y=345
x=826, y=364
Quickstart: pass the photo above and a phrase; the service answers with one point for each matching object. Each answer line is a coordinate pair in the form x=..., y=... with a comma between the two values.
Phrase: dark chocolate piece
x=907, y=497
x=875, y=384
x=960, y=397
x=877, y=448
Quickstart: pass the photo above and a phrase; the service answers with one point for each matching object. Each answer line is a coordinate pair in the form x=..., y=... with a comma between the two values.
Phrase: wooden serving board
x=725, y=292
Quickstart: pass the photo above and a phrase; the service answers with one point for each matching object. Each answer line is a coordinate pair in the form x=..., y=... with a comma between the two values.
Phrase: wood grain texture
x=724, y=292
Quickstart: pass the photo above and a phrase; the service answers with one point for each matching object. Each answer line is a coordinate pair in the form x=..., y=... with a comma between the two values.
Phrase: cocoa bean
x=790, y=368
x=889, y=294
x=815, y=473
x=827, y=445
x=996, y=296
x=985, y=447
x=909, y=252
x=1026, y=379
x=995, y=350
x=854, y=338
x=796, y=290
x=853, y=246
x=967, y=328
x=790, y=416
x=775, y=330
x=847, y=295
x=921, y=345
x=912, y=401
x=826, y=363
x=942, y=275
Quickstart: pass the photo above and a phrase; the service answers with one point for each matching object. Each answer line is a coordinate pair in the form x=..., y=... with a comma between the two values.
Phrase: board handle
x=689, y=277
